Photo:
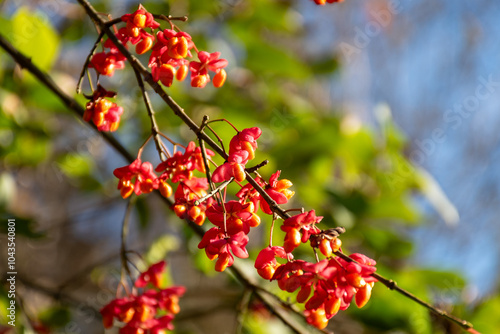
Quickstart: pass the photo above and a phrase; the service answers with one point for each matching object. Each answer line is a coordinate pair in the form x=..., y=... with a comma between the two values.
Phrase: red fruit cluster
x=168, y=61
x=208, y=61
x=219, y=245
x=181, y=165
x=299, y=228
x=139, y=177
x=134, y=31
x=106, y=63
x=241, y=150
x=234, y=219
x=233, y=223
x=186, y=197
x=169, y=50
x=148, y=312
x=104, y=113
x=276, y=189
x=328, y=285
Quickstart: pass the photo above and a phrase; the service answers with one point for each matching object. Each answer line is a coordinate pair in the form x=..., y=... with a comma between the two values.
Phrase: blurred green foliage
x=353, y=175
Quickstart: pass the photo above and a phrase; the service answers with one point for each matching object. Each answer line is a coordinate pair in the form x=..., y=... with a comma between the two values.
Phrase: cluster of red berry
x=139, y=177
x=146, y=311
x=104, y=113
x=169, y=50
x=325, y=287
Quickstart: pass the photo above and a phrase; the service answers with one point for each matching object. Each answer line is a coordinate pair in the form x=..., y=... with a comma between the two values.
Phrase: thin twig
x=214, y=192
x=257, y=167
x=123, y=247
x=86, y=64
x=149, y=107
x=113, y=22
x=392, y=285
x=204, y=122
x=170, y=18
x=243, y=309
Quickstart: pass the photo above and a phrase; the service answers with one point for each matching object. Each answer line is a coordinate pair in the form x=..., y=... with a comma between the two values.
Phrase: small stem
x=205, y=162
x=392, y=285
x=315, y=254
x=225, y=215
x=165, y=149
x=219, y=140
x=214, y=191
x=123, y=247
x=170, y=140
x=291, y=210
x=256, y=167
x=170, y=18
x=225, y=120
x=139, y=152
x=86, y=64
x=113, y=22
x=154, y=126
x=243, y=309
x=90, y=81
x=204, y=124
x=271, y=232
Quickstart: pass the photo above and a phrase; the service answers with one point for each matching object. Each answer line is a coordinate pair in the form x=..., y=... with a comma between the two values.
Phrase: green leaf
x=325, y=66
x=5, y=26
x=55, y=317
x=35, y=37
x=393, y=208
x=28, y=148
x=24, y=226
x=354, y=201
x=386, y=242
x=161, y=247
x=75, y=165
x=266, y=59
x=204, y=264
x=484, y=319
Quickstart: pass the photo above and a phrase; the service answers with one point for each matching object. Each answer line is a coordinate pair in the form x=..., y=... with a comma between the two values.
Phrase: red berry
x=219, y=78
x=165, y=189
x=292, y=240
x=332, y=305
x=363, y=295
x=325, y=247
x=144, y=46
x=181, y=75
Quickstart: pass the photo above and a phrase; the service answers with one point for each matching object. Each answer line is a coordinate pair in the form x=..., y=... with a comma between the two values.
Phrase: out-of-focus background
x=382, y=113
